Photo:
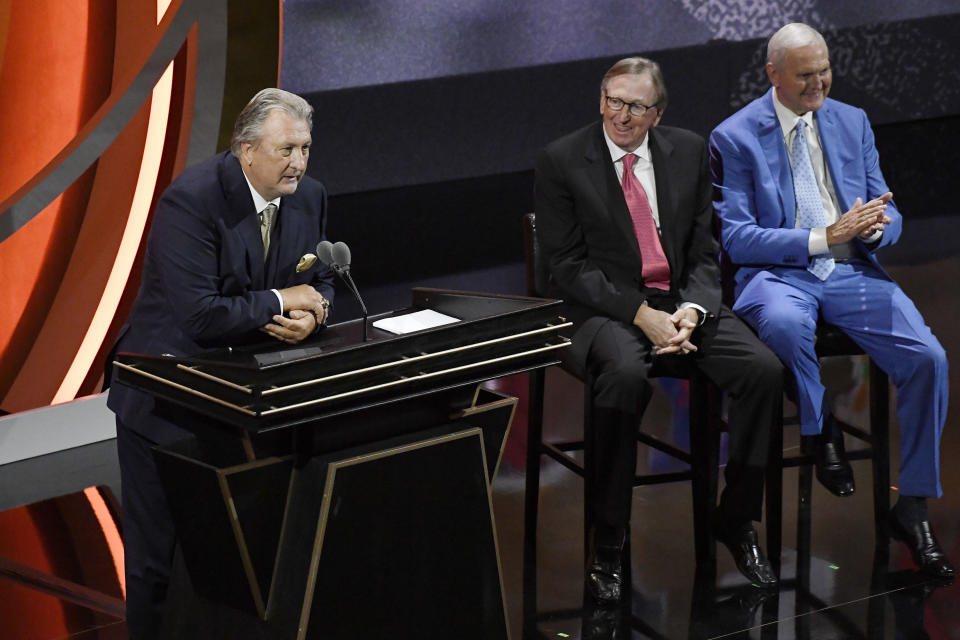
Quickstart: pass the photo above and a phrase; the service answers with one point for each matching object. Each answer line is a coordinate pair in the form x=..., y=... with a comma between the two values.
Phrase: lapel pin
x=306, y=262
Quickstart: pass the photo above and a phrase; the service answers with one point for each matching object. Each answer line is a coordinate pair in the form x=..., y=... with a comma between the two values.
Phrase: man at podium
x=229, y=261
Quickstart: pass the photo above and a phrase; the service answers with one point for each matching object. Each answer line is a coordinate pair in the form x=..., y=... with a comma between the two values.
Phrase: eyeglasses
x=635, y=108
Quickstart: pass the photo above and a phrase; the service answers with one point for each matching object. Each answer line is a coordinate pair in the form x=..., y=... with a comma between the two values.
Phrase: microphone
x=341, y=255
x=325, y=252
x=337, y=257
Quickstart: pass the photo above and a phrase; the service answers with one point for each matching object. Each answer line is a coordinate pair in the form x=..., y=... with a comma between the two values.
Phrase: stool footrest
x=660, y=445
x=799, y=461
x=857, y=432
x=558, y=454
x=660, y=478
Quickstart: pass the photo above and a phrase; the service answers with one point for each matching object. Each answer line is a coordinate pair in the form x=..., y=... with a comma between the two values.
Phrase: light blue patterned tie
x=810, y=213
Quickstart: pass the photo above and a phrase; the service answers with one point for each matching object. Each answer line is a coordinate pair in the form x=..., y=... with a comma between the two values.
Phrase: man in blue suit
x=221, y=269
x=803, y=207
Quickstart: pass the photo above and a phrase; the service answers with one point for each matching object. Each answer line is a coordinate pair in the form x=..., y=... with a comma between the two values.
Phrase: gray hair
x=791, y=36
x=638, y=66
x=250, y=121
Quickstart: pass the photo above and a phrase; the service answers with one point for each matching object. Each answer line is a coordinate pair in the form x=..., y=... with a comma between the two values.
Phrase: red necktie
x=656, y=269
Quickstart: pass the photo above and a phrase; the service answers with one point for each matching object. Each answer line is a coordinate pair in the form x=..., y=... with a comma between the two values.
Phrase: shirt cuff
x=687, y=305
x=817, y=243
x=874, y=237
x=279, y=300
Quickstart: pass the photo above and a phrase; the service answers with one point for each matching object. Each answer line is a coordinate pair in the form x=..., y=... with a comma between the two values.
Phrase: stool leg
x=880, y=433
x=588, y=464
x=805, y=499
x=769, y=616
x=626, y=563
x=531, y=500
x=805, y=491
x=876, y=606
x=704, y=445
x=774, y=497
x=703, y=603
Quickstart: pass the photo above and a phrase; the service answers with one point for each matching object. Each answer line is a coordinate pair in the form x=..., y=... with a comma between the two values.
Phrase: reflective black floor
x=60, y=561
x=845, y=587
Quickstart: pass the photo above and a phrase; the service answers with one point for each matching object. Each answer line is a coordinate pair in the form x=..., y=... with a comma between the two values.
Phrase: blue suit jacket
x=205, y=283
x=754, y=185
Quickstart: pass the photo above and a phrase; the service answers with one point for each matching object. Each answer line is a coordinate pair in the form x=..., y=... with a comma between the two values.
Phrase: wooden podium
x=340, y=488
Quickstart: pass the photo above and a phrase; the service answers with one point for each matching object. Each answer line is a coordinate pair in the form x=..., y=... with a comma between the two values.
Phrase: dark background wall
x=429, y=118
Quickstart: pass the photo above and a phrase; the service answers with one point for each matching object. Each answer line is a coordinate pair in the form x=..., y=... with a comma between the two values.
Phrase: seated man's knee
x=766, y=370
x=620, y=384
x=928, y=357
x=789, y=333
x=781, y=321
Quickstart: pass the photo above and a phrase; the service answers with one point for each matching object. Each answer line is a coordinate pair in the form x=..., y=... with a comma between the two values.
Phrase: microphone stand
x=344, y=273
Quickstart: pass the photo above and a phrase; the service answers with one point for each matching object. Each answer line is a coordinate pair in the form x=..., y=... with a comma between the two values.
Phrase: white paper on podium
x=416, y=321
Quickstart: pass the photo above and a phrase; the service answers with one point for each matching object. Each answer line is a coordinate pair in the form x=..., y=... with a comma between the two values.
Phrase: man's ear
x=772, y=74
x=246, y=153
x=659, y=115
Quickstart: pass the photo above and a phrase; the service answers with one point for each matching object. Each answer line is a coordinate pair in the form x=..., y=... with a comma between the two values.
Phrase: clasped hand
x=306, y=309
x=669, y=333
x=291, y=330
x=863, y=219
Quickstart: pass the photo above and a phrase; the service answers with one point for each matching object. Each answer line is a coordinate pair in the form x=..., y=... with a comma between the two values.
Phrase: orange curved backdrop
x=69, y=267
x=75, y=81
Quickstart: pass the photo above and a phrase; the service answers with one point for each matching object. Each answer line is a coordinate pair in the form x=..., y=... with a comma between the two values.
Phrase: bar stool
x=831, y=342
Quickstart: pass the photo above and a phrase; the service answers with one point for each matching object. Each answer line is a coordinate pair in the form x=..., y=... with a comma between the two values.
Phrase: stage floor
x=60, y=559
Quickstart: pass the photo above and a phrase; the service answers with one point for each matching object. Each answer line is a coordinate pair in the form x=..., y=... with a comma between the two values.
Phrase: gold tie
x=266, y=225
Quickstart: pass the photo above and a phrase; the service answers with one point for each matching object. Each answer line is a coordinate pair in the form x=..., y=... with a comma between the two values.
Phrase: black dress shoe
x=605, y=574
x=603, y=623
x=746, y=552
x=923, y=546
x=830, y=458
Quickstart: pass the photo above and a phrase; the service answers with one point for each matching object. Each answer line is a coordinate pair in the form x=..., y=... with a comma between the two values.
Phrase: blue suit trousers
x=783, y=305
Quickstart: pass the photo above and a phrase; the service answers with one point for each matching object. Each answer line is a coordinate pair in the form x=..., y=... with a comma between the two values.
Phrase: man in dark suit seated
x=624, y=218
x=804, y=206
x=221, y=269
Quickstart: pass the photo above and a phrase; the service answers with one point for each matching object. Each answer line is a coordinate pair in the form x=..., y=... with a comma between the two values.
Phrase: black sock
x=831, y=428
x=910, y=510
x=732, y=523
x=609, y=535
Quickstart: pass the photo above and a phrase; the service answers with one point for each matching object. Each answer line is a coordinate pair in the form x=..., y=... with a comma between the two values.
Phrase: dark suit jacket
x=756, y=203
x=587, y=237
x=205, y=283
